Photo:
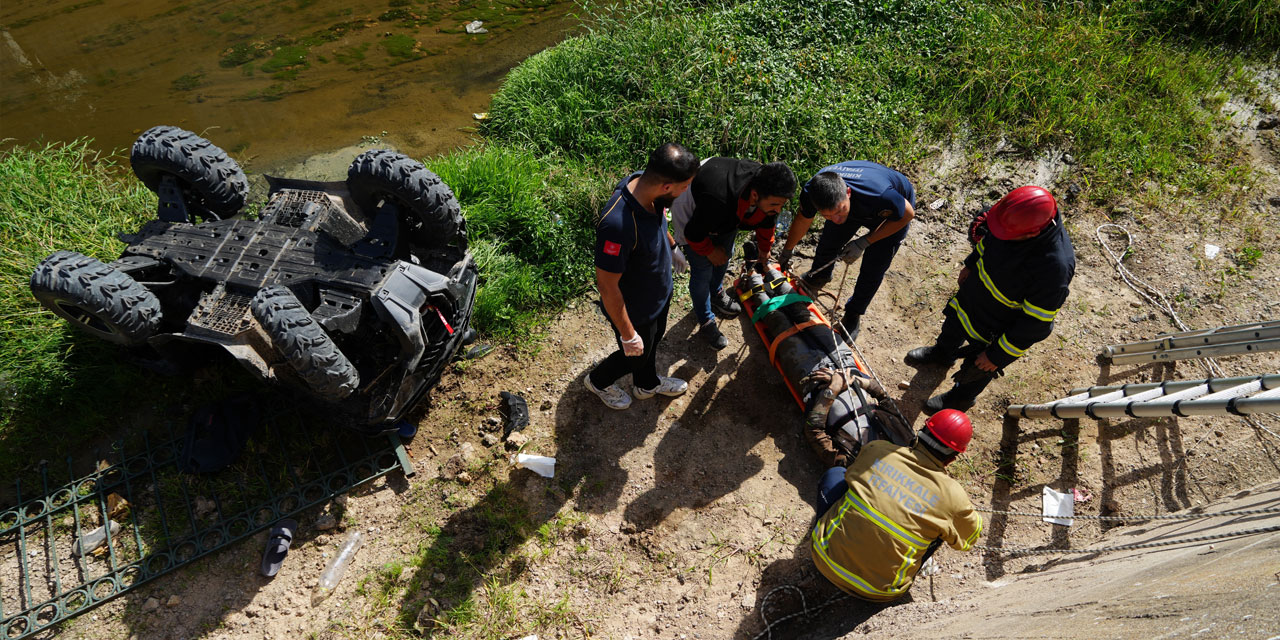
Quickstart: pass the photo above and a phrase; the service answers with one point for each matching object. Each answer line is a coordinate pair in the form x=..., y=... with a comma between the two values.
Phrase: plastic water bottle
x=337, y=567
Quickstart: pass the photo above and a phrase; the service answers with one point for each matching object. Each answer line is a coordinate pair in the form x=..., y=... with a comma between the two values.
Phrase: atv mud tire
x=434, y=217
x=304, y=343
x=210, y=181
x=96, y=298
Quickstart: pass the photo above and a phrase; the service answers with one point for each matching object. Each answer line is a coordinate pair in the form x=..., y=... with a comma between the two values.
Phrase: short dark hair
x=774, y=180
x=826, y=190
x=671, y=162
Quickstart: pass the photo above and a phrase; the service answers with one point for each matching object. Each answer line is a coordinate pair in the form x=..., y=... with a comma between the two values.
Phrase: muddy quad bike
x=357, y=292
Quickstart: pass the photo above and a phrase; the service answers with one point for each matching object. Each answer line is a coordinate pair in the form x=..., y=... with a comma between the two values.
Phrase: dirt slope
x=679, y=518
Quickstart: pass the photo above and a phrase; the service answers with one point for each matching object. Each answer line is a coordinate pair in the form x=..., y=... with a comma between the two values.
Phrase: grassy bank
x=55, y=383
x=1131, y=89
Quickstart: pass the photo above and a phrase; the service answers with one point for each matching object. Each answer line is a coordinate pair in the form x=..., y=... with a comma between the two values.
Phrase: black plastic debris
x=515, y=411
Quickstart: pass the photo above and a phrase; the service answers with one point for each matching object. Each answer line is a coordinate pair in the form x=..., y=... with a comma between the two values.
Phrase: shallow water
x=271, y=81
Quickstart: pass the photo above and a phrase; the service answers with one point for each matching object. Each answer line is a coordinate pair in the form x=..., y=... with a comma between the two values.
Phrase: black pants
x=875, y=261
x=970, y=380
x=643, y=368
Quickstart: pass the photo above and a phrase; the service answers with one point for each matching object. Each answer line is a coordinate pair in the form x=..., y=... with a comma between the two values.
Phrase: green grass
x=530, y=226
x=58, y=386
x=1124, y=87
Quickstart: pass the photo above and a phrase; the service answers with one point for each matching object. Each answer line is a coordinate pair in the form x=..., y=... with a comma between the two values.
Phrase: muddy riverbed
x=273, y=82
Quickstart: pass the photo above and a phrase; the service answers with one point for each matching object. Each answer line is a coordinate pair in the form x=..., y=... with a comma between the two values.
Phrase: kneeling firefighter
x=892, y=508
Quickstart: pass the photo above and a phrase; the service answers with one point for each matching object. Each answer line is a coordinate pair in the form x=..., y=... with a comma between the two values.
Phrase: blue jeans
x=831, y=489
x=875, y=261
x=706, y=278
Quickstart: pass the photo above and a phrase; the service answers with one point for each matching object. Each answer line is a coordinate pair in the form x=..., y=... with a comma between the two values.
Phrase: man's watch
x=828, y=394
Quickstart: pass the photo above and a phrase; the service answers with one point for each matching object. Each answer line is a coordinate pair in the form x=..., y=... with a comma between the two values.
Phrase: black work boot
x=816, y=281
x=932, y=354
x=852, y=325
x=944, y=401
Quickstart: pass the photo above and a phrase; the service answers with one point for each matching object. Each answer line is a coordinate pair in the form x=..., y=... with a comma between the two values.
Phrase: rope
x=1168, y=516
x=804, y=609
x=1157, y=299
x=1017, y=551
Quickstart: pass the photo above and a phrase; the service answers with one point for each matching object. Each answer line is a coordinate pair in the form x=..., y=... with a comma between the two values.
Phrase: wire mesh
x=138, y=516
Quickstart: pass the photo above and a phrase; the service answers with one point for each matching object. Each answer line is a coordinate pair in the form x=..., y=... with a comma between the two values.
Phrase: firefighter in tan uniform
x=892, y=508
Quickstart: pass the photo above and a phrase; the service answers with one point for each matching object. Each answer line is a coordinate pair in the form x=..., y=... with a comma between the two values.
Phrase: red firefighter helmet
x=952, y=428
x=1024, y=210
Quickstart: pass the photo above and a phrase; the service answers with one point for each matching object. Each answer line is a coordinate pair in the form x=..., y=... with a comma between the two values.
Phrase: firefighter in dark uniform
x=1011, y=287
x=892, y=508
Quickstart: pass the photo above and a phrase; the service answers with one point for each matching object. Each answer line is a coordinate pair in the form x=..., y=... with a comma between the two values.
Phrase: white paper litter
x=1211, y=251
x=1058, y=507
x=476, y=26
x=541, y=465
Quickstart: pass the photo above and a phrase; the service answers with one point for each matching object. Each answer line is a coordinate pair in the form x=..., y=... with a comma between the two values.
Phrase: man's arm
x=611, y=297
x=799, y=226
x=890, y=227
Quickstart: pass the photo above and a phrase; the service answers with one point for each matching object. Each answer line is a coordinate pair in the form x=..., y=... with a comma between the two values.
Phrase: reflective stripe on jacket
x=900, y=500
x=1014, y=291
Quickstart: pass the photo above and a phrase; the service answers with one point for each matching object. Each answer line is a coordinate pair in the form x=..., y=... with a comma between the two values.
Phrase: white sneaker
x=612, y=396
x=666, y=386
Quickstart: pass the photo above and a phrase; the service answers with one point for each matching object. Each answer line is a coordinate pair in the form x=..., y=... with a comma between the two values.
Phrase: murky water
x=271, y=81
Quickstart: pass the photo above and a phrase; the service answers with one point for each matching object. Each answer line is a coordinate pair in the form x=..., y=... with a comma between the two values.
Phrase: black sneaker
x=710, y=334
x=928, y=355
x=723, y=304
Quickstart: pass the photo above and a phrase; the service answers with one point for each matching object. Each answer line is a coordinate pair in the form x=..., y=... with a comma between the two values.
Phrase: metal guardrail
x=80, y=544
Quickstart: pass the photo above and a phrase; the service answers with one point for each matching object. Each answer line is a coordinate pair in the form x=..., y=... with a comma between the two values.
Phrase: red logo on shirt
x=612, y=248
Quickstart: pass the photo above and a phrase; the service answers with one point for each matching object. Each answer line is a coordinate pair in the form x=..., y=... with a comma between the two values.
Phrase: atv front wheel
x=211, y=182
x=304, y=343
x=429, y=209
x=96, y=298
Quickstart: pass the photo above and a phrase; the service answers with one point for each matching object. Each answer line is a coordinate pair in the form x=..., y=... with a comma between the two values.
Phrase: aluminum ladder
x=1203, y=343
x=1242, y=395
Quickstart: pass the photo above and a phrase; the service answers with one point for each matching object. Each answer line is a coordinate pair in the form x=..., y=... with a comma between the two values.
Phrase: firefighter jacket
x=1014, y=291
x=900, y=503
x=719, y=195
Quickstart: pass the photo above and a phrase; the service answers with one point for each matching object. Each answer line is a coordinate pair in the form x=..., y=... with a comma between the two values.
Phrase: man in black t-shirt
x=633, y=273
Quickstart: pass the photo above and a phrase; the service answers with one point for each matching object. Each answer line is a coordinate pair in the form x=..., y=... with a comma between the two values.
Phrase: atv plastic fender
x=399, y=301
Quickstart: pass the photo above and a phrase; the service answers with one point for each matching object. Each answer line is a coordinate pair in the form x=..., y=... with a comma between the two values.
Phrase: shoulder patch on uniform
x=612, y=248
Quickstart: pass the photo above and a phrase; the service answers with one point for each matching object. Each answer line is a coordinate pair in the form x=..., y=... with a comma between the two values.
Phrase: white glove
x=853, y=250
x=679, y=263
x=633, y=346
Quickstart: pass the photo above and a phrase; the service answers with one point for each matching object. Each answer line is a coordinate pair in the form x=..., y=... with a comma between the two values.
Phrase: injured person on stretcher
x=844, y=407
x=837, y=423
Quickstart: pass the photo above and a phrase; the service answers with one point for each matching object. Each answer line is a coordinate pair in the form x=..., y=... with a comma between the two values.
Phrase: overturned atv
x=358, y=292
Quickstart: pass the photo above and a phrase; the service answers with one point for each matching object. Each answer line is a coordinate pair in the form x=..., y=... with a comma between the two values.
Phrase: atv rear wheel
x=212, y=184
x=96, y=298
x=304, y=343
x=430, y=211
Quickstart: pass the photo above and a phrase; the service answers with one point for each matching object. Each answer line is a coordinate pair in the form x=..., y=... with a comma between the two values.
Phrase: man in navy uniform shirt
x=633, y=272
x=853, y=196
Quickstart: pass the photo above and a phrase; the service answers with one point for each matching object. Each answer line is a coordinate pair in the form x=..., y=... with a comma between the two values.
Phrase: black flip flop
x=278, y=546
